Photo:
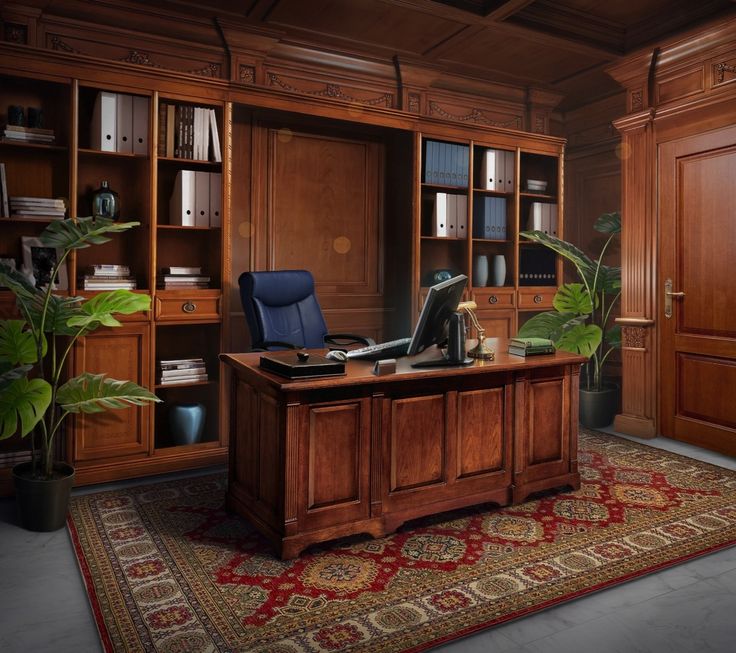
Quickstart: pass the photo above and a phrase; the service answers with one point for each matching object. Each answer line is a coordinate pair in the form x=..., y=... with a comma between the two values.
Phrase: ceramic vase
x=186, y=422
x=105, y=202
x=480, y=271
x=499, y=270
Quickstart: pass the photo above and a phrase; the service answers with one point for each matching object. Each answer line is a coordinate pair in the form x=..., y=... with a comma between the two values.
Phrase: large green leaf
x=70, y=234
x=609, y=279
x=8, y=374
x=573, y=298
x=608, y=223
x=24, y=400
x=17, y=344
x=59, y=311
x=14, y=280
x=581, y=339
x=100, y=309
x=95, y=393
x=613, y=337
x=548, y=325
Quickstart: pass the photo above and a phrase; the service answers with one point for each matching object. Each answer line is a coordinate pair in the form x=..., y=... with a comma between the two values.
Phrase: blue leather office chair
x=282, y=311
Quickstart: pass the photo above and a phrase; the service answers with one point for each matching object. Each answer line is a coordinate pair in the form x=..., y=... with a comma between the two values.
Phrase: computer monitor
x=432, y=327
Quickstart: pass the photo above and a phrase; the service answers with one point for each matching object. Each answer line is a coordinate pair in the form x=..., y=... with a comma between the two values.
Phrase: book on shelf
x=4, y=204
x=180, y=363
x=37, y=207
x=184, y=370
x=446, y=164
x=17, y=134
x=107, y=269
x=93, y=284
x=179, y=269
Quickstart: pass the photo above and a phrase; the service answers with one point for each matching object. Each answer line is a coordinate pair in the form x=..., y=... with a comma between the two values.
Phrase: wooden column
x=638, y=258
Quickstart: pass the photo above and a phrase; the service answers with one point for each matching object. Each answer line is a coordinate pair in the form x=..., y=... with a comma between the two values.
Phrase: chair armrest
x=352, y=339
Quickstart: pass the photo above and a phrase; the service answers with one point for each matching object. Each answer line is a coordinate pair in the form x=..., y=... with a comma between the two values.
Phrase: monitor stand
x=455, y=356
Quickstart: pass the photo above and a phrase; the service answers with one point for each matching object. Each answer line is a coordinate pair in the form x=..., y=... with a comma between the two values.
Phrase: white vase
x=499, y=270
x=480, y=271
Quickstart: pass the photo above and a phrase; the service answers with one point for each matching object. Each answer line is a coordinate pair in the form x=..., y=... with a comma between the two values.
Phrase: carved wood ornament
x=16, y=33
x=332, y=91
x=721, y=70
x=475, y=115
x=633, y=337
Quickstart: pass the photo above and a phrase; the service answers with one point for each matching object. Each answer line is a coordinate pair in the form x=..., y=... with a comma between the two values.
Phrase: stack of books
x=37, y=207
x=173, y=278
x=17, y=134
x=108, y=277
x=531, y=346
x=181, y=370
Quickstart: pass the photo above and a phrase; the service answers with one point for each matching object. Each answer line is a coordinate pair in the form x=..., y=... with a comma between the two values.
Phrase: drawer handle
x=189, y=307
x=493, y=299
x=538, y=299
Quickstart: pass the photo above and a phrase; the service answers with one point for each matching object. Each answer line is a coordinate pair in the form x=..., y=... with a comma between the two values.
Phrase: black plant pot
x=43, y=504
x=599, y=407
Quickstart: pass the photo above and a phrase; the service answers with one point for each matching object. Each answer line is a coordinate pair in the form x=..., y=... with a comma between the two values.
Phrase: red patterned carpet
x=168, y=570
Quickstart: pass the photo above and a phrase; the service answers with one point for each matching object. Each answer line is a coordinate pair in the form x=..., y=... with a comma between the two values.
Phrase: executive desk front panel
x=321, y=459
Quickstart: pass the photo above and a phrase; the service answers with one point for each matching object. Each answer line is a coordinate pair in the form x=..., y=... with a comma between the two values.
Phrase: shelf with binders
x=189, y=197
x=494, y=171
x=444, y=215
x=445, y=165
x=113, y=123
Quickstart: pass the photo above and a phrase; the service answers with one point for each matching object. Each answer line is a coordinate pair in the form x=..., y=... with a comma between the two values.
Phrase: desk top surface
x=361, y=372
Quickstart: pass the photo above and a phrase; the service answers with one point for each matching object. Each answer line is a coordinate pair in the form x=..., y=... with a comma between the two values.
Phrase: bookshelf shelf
x=196, y=162
x=537, y=196
x=177, y=227
x=89, y=152
x=45, y=147
x=21, y=219
x=169, y=386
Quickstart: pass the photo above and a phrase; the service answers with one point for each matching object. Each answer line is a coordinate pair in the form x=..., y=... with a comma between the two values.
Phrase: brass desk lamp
x=481, y=350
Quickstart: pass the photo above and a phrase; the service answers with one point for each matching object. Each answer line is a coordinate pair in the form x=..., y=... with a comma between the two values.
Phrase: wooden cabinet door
x=543, y=439
x=334, y=460
x=417, y=432
x=497, y=323
x=697, y=244
x=121, y=353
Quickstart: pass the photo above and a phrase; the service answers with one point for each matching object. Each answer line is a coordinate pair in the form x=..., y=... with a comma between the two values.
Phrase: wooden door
x=697, y=251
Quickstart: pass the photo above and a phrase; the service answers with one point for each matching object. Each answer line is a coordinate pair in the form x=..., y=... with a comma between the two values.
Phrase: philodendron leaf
x=573, y=298
x=100, y=309
x=95, y=393
x=581, y=339
x=59, y=311
x=9, y=374
x=608, y=223
x=14, y=280
x=17, y=344
x=613, y=336
x=609, y=279
x=547, y=325
x=70, y=234
x=24, y=400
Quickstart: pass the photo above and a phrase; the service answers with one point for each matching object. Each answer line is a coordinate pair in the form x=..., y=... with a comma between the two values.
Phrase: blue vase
x=186, y=423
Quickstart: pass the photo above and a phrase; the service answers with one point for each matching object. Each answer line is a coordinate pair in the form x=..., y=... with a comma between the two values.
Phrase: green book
x=531, y=342
x=531, y=351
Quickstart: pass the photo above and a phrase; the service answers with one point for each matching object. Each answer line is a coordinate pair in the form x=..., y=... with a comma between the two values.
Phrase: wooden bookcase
x=182, y=323
x=501, y=308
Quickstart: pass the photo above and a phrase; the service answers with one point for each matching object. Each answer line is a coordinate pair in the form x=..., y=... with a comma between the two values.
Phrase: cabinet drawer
x=183, y=308
x=494, y=298
x=536, y=298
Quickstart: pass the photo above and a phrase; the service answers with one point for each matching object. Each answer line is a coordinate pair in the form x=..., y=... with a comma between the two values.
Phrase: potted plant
x=580, y=321
x=35, y=395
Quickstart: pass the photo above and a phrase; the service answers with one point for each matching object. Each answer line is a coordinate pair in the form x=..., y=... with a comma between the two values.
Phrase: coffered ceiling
x=563, y=45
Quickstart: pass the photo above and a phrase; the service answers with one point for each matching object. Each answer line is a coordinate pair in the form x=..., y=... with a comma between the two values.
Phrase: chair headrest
x=279, y=287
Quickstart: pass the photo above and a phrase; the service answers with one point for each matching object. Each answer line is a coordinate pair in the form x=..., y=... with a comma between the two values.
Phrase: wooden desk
x=316, y=459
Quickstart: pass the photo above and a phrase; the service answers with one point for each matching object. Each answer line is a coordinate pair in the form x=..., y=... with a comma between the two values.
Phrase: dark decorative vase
x=599, y=407
x=186, y=422
x=105, y=202
x=42, y=504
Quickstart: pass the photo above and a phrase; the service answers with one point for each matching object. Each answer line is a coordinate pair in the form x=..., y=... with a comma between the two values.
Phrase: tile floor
x=690, y=608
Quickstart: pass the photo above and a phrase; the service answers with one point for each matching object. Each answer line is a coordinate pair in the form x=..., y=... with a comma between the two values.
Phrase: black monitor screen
x=442, y=301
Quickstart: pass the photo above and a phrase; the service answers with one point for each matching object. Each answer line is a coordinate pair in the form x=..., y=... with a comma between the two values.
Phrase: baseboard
x=640, y=427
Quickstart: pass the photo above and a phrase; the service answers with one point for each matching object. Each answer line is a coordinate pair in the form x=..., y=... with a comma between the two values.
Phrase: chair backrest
x=282, y=305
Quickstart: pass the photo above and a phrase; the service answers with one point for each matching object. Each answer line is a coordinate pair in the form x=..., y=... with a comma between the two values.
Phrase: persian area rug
x=167, y=569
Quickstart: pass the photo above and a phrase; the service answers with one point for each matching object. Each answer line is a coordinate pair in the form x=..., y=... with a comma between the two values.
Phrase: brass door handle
x=668, y=295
